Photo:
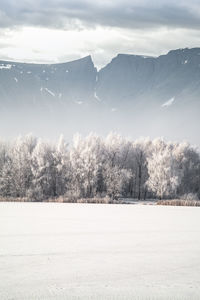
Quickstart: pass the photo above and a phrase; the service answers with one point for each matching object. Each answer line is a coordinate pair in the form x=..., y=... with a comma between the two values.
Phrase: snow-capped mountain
x=133, y=94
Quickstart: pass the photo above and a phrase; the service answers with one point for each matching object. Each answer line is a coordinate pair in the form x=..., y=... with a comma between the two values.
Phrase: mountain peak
x=87, y=58
x=129, y=87
x=179, y=51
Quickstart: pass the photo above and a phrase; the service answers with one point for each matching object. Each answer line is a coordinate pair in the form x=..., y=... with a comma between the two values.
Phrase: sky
x=51, y=31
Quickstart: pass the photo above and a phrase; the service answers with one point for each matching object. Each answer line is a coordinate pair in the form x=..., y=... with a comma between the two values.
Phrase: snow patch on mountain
x=8, y=67
x=79, y=102
x=96, y=97
x=48, y=91
x=169, y=102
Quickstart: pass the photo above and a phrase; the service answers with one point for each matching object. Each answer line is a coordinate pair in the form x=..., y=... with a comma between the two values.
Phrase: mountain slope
x=132, y=77
x=30, y=84
x=135, y=95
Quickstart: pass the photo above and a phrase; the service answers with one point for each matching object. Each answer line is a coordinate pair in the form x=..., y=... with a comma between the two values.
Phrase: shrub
x=179, y=202
x=190, y=196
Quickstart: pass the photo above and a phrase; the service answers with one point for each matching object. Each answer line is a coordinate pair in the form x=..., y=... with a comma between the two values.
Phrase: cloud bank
x=101, y=28
x=132, y=14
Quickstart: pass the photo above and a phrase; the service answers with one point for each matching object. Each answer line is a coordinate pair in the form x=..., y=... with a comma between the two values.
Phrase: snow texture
x=74, y=251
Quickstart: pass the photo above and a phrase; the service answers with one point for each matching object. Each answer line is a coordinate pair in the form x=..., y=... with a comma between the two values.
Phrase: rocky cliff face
x=133, y=94
x=131, y=77
x=31, y=84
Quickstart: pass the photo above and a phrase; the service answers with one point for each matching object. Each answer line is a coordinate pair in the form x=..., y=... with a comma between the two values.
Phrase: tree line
x=97, y=167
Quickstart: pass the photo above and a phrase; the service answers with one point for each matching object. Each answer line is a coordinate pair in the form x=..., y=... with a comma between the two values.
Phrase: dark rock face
x=133, y=94
x=31, y=84
x=132, y=77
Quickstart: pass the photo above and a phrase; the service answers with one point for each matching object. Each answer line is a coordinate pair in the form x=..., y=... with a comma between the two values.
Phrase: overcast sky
x=63, y=30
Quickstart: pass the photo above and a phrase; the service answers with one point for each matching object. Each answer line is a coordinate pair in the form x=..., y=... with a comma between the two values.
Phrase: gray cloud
x=109, y=27
x=74, y=14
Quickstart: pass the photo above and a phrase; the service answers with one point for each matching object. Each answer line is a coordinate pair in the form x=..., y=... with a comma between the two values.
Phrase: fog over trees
x=97, y=167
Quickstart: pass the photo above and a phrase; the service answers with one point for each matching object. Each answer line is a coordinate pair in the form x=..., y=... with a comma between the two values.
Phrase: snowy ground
x=83, y=251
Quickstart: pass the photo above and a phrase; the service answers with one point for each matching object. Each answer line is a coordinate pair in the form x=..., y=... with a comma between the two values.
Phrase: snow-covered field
x=82, y=251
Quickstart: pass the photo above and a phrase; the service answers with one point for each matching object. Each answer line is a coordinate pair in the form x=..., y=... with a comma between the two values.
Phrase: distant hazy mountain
x=31, y=84
x=130, y=77
x=135, y=95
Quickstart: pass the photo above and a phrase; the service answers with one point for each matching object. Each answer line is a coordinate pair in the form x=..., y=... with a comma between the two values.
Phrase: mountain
x=133, y=94
x=132, y=77
x=30, y=84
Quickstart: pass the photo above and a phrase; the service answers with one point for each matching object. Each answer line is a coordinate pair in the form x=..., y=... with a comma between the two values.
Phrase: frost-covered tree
x=21, y=153
x=116, y=179
x=164, y=176
x=141, y=149
x=86, y=162
x=96, y=167
x=6, y=171
x=62, y=167
x=116, y=173
x=188, y=161
x=44, y=172
x=7, y=187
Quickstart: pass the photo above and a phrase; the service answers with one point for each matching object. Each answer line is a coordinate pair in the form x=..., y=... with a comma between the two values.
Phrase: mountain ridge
x=89, y=57
x=161, y=93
